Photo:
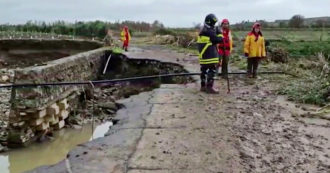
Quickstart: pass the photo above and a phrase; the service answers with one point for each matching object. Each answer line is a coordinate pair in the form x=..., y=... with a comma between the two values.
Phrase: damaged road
x=176, y=128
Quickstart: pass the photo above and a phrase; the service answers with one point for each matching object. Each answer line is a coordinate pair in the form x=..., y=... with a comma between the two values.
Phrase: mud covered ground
x=271, y=133
x=176, y=128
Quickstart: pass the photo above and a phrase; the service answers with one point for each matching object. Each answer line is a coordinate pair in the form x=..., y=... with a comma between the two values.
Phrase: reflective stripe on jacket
x=254, y=48
x=207, y=46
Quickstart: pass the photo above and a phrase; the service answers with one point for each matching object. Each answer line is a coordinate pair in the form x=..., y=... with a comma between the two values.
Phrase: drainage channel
x=56, y=149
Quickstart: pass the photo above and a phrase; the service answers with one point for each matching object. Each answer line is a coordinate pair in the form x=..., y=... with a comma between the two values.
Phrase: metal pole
x=106, y=65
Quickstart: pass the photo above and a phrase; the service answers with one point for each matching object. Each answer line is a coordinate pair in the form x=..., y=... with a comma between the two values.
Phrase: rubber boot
x=203, y=87
x=211, y=89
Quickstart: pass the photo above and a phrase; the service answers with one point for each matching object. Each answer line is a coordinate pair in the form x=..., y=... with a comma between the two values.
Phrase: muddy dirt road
x=176, y=128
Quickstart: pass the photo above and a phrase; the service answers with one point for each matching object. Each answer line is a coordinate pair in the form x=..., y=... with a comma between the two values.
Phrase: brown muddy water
x=51, y=152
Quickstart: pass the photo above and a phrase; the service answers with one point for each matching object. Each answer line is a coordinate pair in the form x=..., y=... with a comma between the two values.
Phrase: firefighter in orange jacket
x=254, y=50
x=226, y=47
x=125, y=37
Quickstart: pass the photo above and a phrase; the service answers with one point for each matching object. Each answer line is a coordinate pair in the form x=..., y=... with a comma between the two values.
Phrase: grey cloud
x=182, y=13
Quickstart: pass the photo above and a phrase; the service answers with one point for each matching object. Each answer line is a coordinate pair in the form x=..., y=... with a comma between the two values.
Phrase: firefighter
x=125, y=37
x=208, y=54
x=254, y=50
x=226, y=47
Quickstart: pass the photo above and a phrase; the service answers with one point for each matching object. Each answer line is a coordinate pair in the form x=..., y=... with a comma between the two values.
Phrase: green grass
x=306, y=48
x=308, y=90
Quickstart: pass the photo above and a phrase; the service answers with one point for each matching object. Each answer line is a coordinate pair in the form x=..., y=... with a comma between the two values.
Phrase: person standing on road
x=226, y=47
x=254, y=50
x=125, y=37
x=208, y=54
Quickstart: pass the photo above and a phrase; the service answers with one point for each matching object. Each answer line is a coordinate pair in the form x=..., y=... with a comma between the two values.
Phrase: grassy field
x=304, y=35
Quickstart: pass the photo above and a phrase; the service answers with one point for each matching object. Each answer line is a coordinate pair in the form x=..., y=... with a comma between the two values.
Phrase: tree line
x=296, y=21
x=87, y=29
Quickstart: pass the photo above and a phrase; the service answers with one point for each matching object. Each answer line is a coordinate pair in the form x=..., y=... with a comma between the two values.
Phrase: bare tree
x=297, y=21
x=320, y=23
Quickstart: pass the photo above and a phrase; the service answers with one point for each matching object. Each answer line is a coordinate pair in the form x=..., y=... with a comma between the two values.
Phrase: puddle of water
x=48, y=153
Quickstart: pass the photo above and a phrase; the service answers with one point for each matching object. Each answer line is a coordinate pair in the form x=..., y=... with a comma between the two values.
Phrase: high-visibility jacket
x=226, y=47
x=253, y=47
x=125, y=35
x=207, y=46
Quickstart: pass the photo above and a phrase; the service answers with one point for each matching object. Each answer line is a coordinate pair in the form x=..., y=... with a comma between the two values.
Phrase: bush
x=278, y=55
x=164, y=31
x=185, y=39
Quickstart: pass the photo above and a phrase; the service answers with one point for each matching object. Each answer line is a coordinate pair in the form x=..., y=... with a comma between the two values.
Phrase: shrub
x=164, y=31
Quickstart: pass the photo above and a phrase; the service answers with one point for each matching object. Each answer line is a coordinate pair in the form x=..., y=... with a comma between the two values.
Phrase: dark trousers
x=224, y=67
x=208, y=72
x=252, y=66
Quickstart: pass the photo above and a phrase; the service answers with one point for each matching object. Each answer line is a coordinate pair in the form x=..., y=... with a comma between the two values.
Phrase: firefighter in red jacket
x=226, y=47
x=125, y=37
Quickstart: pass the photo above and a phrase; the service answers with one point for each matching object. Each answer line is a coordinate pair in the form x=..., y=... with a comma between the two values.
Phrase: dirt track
x=176, y=128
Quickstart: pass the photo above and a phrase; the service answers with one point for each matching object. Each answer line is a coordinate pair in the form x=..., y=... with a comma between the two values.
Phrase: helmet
x=256, y=25
x=224, y=21
x=211, y=20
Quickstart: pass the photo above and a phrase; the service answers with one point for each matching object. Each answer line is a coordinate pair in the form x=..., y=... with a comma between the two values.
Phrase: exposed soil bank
x=25, y=53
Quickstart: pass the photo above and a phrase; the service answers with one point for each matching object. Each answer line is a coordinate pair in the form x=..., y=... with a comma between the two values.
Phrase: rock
x=255, y=114
x=60, y=125
x=77, y=126
x=64, y=114
x=75, y=121
x=63, y=104
x=109, y=111
x=4, y=78
x=53, y=109
x=108, y=105
x=3, y=148
x=247, y=153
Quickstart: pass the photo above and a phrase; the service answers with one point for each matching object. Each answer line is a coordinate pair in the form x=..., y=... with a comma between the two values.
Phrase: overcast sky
x=173, y=13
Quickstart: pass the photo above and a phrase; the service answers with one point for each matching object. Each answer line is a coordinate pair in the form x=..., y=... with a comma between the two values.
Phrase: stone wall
x=36, y=109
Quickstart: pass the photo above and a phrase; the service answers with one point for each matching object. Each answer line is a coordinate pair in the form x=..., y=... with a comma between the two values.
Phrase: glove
x=246, y=55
